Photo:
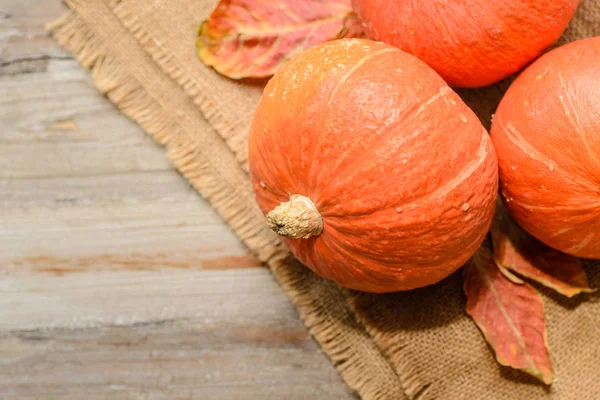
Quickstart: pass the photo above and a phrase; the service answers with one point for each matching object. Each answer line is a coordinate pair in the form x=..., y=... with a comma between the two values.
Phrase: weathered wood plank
x=156, y=187
x=81, y=300
x=204, y=334
x=31, y=107
x=171, y=360
x=170, y=335
x=25, y=45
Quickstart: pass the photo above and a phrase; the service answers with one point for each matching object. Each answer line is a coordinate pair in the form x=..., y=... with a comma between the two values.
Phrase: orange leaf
x=516, y=250
x=253, y=38
x=510, y=316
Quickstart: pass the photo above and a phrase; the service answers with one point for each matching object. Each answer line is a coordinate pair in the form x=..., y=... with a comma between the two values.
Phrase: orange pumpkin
x=547, y=135
x=374, y=172
x=469, y=43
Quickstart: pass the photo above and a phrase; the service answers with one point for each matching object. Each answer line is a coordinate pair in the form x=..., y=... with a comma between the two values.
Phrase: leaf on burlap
x=516, y=250
x=510, y=316
x=253, y=38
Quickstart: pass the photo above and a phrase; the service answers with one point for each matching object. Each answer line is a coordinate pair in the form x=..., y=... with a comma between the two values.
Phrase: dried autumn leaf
x=510, y=316
x=253, y=38
x=516, y=250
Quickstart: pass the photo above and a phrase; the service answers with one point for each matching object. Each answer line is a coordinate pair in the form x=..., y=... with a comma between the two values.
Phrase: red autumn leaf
x=510, y=316
x=253, y=38
x=516, y=250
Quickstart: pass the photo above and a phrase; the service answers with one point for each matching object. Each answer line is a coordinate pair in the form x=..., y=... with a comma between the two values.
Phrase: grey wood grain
x=179, y=334
x=168, y=360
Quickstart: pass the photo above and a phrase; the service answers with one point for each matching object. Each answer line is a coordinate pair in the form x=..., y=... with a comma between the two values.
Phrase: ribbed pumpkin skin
x=401, y=170
x=547, y=135
x=470, y=43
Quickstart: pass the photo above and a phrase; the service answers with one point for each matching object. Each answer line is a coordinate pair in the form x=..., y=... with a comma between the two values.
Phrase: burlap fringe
x=340, y=334
x=396, y=350
x=325, y=324
x=230, y=131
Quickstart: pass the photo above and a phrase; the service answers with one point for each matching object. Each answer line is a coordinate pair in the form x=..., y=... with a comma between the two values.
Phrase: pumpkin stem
x=297, y=218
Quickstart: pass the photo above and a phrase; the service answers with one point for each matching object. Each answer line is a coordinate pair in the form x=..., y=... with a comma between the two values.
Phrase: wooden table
x=117, y=280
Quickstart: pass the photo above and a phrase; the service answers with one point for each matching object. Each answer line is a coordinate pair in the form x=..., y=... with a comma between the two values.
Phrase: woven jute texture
x=418, y=344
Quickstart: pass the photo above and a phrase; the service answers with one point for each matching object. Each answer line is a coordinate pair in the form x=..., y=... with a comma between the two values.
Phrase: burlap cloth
x=418, y=344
